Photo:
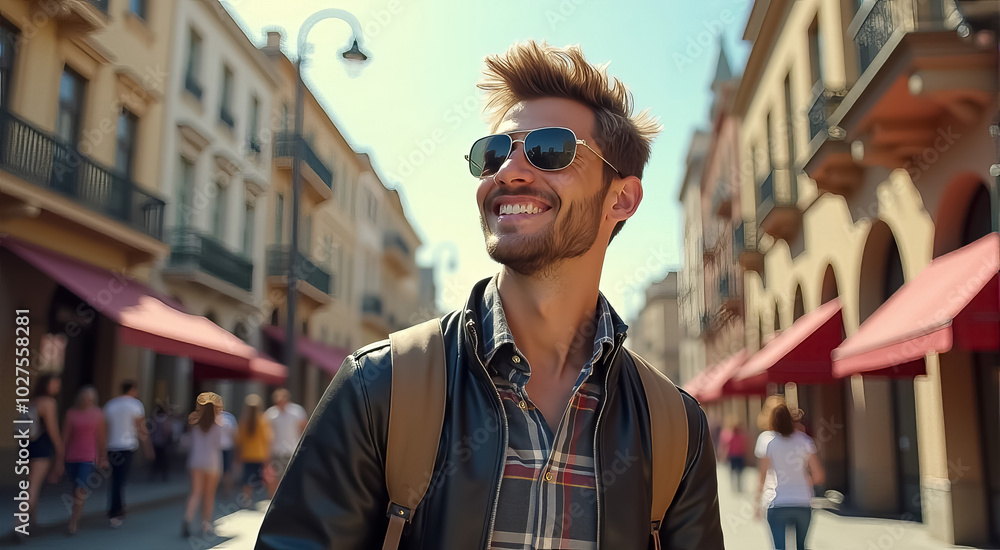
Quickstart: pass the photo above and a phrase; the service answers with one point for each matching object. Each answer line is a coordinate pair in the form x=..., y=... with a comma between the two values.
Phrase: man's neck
x=552, y=317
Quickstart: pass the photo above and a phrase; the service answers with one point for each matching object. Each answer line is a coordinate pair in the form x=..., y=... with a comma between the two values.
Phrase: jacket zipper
x=597, y=456
x=503, y=421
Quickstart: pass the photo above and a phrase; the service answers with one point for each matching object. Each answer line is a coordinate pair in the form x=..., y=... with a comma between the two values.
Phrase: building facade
x=865, y=129
x=656, y=334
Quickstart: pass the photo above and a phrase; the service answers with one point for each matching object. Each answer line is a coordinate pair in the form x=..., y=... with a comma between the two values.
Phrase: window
x=8, y=41
x=185, y=184
x=254, y=127
x=192, y=78
x=138, y=8
x=372, y=206
x=279, y=217
x=125, y=144
x=219, y=211
x=789, y=121
x=815, y=59
x=70, y=107
x=248, y=228
x=284, y=117
x=225, y=107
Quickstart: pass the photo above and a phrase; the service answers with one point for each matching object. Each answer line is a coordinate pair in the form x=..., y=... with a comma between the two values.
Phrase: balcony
x=315, y=171
x=192, y=251
x=824, y=102
x=82, y=16
x=318, y=281
x=38, y=158
x=920, y=85
x=397, y=253
x=778, y=213
x=745, y=248
x=372, y=314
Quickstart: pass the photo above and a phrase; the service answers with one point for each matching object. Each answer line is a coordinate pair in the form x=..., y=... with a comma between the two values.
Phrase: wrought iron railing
x=38, y=157
x=284, y=146
x=190, y=248
x=875, y=32
x=305, y=268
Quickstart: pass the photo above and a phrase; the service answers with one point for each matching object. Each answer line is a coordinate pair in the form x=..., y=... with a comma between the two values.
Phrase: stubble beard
x=538, y=255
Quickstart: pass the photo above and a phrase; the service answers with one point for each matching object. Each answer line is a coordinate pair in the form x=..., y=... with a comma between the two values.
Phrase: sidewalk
x=55, y=501
x=828, y=530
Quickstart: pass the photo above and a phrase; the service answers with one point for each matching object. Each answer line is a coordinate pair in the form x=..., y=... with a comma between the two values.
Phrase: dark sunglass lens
x=488, y=154
x=550, y=148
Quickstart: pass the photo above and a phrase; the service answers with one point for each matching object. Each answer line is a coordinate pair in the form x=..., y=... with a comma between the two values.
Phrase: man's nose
x=515, y=169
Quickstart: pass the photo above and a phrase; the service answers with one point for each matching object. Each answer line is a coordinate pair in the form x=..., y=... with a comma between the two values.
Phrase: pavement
x=156, y=509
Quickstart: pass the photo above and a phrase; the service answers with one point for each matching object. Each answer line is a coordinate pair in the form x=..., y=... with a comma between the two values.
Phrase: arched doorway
x=888, y=423
x=799, y=309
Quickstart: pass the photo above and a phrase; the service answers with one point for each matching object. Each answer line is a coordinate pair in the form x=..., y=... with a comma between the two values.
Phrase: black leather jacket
x=333, y=494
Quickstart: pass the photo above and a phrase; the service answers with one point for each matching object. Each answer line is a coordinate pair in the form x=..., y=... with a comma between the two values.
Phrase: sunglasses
x=547, y=149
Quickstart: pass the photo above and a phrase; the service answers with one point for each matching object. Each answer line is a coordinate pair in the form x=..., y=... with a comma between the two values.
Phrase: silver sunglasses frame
x=528, y=133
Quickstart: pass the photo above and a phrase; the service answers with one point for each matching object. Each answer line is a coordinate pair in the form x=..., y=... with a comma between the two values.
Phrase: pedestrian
x=204, y=461
x=733, y=446
x=287, y=421
x=229, y=429
x=45, y=446
x=126, y=420
x=788, y=470
x=254, y=443
x=85, y=435
x=547, y=430
x=162, y=438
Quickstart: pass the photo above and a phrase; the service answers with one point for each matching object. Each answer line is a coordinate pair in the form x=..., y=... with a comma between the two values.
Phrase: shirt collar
x=497, y=334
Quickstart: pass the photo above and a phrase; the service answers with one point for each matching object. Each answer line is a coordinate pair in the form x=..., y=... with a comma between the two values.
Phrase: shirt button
x=548, y=476
x=523, y=405
x=516, y=359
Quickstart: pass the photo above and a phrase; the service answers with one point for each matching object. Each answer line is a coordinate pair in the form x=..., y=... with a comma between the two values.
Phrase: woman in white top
x=204, y=460
x=788, y=470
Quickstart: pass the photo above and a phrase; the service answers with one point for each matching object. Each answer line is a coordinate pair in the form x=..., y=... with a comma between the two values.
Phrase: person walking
x=162, y=438
x=733, y=446
x=85, y=435
x=229, y=429
x=45, y=446
x=547, y=436
x=126, y=420
x=287, y=421
x=204, y=461
x=789, y=468
x=254, y=443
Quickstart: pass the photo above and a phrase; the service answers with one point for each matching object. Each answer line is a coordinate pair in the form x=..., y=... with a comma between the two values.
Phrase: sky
x=416, y=110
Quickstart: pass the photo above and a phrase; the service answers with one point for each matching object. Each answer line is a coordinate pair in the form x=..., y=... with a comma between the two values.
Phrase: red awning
x=145, y=317
x=716, y=388
x=800, y=354
x=954, y=300
x=329, y=358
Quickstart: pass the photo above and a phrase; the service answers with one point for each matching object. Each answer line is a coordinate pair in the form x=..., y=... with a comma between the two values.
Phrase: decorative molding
x=192, y=136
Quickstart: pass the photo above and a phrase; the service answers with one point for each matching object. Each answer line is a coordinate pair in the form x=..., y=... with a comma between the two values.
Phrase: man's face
x=571, y=202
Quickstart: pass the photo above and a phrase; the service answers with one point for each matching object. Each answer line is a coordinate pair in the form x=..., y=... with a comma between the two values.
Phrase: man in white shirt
x=126, y=419
x=288, y=421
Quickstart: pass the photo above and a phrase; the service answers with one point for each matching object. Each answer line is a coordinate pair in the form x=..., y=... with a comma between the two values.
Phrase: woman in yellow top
x=254, y=442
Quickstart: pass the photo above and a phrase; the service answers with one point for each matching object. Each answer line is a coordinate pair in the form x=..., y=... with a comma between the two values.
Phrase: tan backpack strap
x=416, y=417
x=669, y=428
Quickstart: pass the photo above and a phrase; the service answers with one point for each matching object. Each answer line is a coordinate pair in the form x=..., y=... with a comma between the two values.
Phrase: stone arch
x=873, y=266
x=798, y=305
x=830, y=288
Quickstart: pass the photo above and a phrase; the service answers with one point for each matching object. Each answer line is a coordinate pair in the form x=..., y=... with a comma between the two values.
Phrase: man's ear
x=626, y=194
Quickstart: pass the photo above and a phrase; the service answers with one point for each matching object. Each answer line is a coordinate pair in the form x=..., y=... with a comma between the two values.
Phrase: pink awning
x=800, y=354
x=954, y=300
x=146, y=318
x=716, y=389
x=327, y=357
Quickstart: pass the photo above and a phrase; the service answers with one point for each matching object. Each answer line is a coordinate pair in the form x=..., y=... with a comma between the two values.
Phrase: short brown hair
x=781, y=420
x=529, y=70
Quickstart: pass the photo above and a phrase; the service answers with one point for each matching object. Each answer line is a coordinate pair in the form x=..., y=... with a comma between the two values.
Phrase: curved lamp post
x=353, y=54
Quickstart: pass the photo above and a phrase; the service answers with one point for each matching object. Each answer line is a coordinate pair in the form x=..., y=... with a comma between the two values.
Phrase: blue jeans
x=121, y=463
x=796, y=516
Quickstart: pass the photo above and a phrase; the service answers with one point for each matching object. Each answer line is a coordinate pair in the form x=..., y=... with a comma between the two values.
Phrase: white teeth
x=519, y=209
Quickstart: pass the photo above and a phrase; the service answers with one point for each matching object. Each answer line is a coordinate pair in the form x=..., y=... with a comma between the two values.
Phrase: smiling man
x=547, y=432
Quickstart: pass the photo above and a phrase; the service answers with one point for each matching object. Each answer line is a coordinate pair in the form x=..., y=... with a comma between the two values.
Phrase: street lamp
x=353, y=54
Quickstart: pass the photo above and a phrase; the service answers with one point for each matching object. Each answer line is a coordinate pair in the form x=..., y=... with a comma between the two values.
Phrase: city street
x=158, y=528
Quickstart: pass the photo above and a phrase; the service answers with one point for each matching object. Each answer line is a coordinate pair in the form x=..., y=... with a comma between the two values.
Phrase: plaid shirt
x=548, y=492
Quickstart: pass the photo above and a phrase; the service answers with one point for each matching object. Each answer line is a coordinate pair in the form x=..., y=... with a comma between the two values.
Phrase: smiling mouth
x=525, y=209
